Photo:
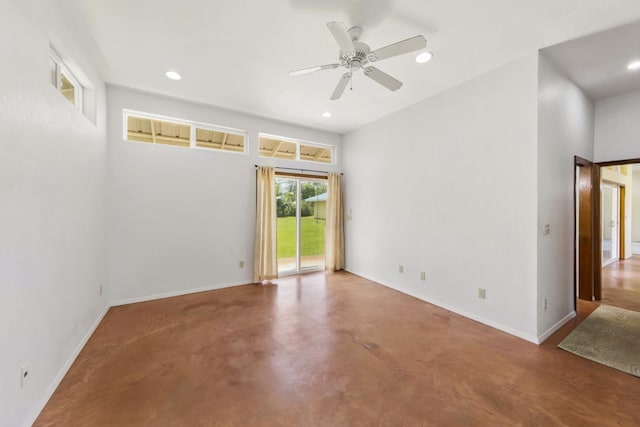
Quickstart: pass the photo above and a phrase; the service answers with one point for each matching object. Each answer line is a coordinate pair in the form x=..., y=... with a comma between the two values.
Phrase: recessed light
x=635, y=65
x=173, y=75
x=326, y=114
x=424, y=57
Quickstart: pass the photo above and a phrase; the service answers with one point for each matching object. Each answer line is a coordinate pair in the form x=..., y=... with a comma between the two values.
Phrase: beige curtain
x=334, y=233
x=265, y=258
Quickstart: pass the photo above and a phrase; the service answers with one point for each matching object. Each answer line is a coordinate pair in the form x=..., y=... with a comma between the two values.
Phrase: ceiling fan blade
x=383, y=78
x=339, y=32
x=400, y=48
x=313, y=69
x=342, y=85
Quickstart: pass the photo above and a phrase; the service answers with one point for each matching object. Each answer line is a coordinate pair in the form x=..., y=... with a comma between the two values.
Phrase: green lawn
x=311, y=239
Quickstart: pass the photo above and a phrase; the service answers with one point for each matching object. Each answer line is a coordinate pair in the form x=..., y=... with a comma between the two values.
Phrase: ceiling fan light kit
x=355, y=55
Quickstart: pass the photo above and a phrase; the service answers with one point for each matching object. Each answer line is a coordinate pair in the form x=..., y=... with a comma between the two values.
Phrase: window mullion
x=192, y=137
x=58, y=76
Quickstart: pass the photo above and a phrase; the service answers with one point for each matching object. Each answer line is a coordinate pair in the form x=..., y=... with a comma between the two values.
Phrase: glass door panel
x=286, y=207
x=313, y=208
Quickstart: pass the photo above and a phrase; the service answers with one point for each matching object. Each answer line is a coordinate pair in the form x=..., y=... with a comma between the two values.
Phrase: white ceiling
x=237, y=53
x=598, y=62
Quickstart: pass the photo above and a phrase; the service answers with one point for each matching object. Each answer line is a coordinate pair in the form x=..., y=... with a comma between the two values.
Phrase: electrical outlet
x=241, y=264
x=546, y=229
x=100, y=290
x=482, y=293
x=423, y=276
x=401, y=269
x=545, y=303
x=24, y=374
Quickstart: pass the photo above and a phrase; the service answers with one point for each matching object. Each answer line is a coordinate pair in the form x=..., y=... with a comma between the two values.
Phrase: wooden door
x=588, y=259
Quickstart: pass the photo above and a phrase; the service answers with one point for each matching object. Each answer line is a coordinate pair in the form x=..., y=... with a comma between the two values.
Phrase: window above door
x=291, y=149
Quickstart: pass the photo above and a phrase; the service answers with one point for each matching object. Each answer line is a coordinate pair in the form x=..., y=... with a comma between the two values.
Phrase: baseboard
x=511, y=331
x=542, y=338
x=65, y=368
x=176, y=293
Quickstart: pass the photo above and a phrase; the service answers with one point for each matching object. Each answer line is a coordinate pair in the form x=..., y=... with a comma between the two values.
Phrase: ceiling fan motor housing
x=358, y=60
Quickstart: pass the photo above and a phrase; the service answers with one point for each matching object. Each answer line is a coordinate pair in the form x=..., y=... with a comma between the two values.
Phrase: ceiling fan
x=355, y=55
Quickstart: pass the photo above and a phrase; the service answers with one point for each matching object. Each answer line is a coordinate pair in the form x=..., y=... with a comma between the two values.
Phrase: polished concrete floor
x=327, y=350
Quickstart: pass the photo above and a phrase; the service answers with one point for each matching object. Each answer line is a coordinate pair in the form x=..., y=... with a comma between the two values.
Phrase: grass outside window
x=311, y=241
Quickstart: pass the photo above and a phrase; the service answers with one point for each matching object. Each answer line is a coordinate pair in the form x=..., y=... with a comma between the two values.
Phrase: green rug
x=611, y=336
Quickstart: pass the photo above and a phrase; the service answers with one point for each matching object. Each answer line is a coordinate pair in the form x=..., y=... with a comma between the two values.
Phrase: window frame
x=298, y=142
x=221, y=129
x=192, y=133
x=61, y=68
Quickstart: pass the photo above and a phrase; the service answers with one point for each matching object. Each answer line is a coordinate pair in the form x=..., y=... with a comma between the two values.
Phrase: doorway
x=610, y=208
x=620, y=266
x=606, y=268
x=301, y=211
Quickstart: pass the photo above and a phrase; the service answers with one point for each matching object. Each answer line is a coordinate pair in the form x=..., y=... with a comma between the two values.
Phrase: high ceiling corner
x=598, y=62
x=237, y=53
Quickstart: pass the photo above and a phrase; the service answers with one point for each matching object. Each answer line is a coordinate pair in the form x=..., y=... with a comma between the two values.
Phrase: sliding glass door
x=301, y=206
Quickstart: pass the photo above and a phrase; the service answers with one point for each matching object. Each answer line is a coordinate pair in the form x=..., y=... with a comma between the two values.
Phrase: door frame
x=299, y=178
x=591, y=289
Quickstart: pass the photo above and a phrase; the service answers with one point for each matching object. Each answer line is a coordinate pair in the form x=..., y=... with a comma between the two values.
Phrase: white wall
x=52, y=208
x=565, y=129
x=448, y=187
x=182, y=219
x=617, y=134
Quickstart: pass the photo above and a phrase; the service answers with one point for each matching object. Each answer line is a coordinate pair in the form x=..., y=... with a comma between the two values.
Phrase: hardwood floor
x=621, y=284
x=327, y=350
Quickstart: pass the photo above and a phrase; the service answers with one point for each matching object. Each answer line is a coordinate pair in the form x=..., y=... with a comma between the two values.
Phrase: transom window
x=63, y=80
x=315, y=153
x=283, y=148
x=144, y=127
x=278, y=148
x=207, y=138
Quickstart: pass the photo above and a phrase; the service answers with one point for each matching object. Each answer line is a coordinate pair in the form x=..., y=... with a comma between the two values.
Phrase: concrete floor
x=327, y=350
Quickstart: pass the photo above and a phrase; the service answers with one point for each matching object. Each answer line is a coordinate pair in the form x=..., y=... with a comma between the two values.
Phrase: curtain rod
x=300, y=170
